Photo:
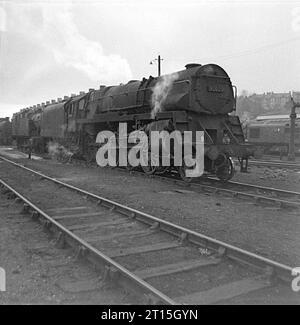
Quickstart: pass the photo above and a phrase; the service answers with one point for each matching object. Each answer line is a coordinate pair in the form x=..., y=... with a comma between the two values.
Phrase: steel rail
x=271, y=163
x=265, y=188
x=200, y=184
x=258, y=198
x=136, y=281
x=273, y=268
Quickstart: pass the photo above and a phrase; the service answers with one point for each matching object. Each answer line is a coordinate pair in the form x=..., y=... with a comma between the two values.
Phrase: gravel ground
x=39, y=273
x=272, y=177
x=269, y=232
x=45, y=194
x=84, y=284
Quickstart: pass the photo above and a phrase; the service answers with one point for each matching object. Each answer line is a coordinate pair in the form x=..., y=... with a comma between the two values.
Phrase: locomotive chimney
x=73, y=95
x=192, y=65
x=47, y=102
x=59, y=100
x=102, y=87
x=53, y=101
x=82, y=93
x=66, y=97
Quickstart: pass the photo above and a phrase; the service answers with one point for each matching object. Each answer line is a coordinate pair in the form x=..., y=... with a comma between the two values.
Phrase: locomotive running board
x=180, y=116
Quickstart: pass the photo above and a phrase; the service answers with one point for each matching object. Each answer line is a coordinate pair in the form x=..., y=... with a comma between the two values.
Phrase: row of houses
x=271, y=101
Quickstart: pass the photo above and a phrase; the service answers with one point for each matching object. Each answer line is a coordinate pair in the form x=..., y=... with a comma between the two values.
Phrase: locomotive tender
x=5, y=131
x=200, y=98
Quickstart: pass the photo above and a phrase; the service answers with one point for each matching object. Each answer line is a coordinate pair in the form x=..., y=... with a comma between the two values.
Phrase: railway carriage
x=271, y=134
x=26, y=125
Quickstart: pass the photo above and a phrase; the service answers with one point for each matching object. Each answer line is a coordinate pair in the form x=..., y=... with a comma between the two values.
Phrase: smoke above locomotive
x=160, y=92
x=198, y=98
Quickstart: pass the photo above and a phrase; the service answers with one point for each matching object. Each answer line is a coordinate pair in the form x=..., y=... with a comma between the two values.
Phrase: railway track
x=259, y=194
x=275, y=164
x=262, y=195
x=163, y=262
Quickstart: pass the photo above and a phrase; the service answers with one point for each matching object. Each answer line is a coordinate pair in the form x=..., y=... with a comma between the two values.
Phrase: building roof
x=274, y=117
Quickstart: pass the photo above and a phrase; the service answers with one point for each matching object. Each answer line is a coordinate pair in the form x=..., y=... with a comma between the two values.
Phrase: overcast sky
x=49, y=49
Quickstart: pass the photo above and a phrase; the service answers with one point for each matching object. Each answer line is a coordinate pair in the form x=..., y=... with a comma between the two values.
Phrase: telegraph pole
x=293, y=116
x=158, y=59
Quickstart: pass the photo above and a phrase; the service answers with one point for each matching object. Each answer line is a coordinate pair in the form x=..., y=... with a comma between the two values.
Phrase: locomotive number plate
x=214, y=89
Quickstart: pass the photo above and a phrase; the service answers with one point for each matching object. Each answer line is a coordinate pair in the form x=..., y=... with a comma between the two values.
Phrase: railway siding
x=240, y=280
x=264, y=229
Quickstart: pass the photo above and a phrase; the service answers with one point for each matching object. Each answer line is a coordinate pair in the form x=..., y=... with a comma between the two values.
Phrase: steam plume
x=160, y=92
x=57, y=151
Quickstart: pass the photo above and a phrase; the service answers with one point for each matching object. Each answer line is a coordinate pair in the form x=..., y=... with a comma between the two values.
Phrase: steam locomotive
x=200, y=98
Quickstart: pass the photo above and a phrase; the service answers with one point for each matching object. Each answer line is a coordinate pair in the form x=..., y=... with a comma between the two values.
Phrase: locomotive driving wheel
x=149, y=169
x=185, y=169
x=226, y=171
